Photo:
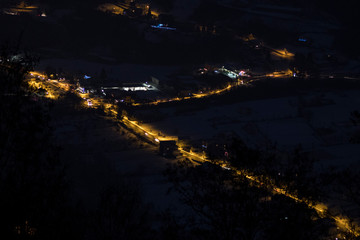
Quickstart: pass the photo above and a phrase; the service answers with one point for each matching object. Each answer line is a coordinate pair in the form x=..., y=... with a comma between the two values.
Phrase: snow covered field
x=318, y=121
x=98, y=153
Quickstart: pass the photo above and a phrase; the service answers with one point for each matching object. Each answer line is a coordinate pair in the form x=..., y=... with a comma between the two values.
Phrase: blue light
x=161, y=26
x=302, y=40
x=86, y=77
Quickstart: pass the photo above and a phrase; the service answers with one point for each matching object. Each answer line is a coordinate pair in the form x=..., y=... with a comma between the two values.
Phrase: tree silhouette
x=32, y=182
x=228, y=206
x=355, y=120
x=121, y=213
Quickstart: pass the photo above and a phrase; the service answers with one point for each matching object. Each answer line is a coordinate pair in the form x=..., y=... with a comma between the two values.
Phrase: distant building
x=23, y=8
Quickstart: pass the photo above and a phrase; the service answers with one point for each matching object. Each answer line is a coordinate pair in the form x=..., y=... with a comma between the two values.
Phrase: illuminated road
x=193, y=96
x=55, y=88
x=282, y=53
x=278, y=74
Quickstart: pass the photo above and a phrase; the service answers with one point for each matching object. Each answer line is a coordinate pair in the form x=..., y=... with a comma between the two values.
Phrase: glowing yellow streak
x=156, y=14
x=283, y=53
x=196, y=95
x=142, y=128
x=190, y=153
x=148, y=131
x=281, y=74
